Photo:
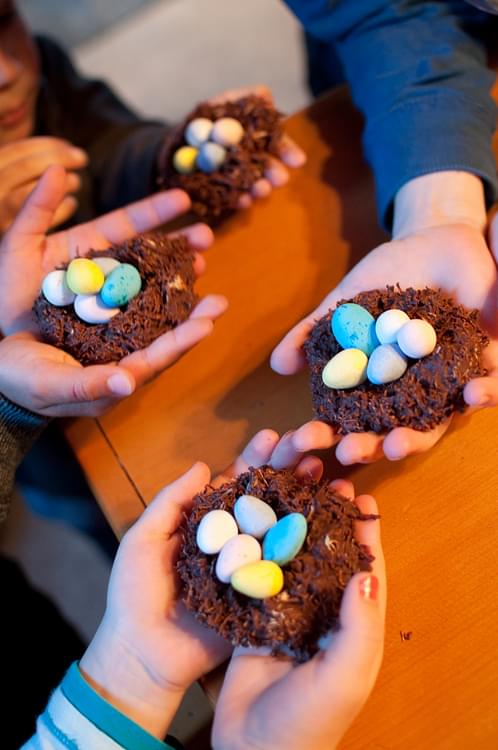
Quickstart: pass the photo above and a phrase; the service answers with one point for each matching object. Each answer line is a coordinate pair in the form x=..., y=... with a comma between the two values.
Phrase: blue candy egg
x=386, y=363
x=121, y=286
x=354, y=328
x=210, y=157
x=284, y=540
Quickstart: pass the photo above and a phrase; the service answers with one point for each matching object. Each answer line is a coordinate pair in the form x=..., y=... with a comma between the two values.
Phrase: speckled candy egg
x=227, y=131
x=55, y=289
x=84, y=276
x=284, y=540
x=347, y=369
x=254, y=516
x=106, y=264
x=258, y=580
x=184, y=159
x=386, y=363
x=417, y=339
x=91, y=309
x=388, y=325
x=238, y=551
x=121, y=285
x=210, y=158
x=214, y=531
x=198, y=131
x=354, y=328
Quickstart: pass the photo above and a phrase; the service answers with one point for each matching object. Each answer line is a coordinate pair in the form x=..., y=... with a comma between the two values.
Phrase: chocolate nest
x=308, y=606
x=217, y=194
x=431, y=388
x=165, y=300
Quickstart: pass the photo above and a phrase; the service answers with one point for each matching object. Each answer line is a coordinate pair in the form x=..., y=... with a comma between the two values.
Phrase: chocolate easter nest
x=431, y=388
x=307, y=608
x=216, y=194
x=165, y=300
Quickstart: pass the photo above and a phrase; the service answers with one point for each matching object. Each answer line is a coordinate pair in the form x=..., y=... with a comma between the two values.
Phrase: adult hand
x=22, y=164
x=149, y=648
x=450, y=256
x=269, y=703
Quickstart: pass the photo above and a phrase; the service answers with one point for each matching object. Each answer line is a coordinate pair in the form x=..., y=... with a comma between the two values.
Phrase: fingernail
x=484, y=401
x=120, y=385
x=369, y=588
x=78, y=153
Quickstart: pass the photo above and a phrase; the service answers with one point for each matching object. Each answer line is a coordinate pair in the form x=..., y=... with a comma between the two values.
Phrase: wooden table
x=438, y=686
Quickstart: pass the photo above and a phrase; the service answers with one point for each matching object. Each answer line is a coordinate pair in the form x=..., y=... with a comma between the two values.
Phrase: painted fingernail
x=369, y=587
x=120, y=385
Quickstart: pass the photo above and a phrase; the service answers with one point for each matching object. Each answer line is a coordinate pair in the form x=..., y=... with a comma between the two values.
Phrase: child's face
x=19, y=76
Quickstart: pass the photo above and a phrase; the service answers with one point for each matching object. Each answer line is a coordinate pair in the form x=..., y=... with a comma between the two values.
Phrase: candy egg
x=254, y=516
x=198, y=131
x=227, y=131
x=214, y=530
x=184, y=159
x=91, y=309
x=388, y=325
x=258, y=580
x=417, y=339
x=284, y=540
x=354, y=328
x=56, y=290
x=386, y=363
x=106, y=264
x=121, y=285
x=84, y=276
x=346, y=370
x=238, y=551
x=211, y=156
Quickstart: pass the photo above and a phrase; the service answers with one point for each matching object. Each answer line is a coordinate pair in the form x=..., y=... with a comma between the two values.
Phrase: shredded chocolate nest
x=308, y=606
x=431, y=388
x=165, y=300
x=216, y=194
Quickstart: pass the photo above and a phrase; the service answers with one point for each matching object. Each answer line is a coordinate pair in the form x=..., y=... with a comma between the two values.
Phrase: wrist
x=439, y=199
x=119, y=676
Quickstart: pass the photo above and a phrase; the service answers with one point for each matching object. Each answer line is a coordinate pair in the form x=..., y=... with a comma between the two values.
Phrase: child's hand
x=149, y=648
x=269, y=704
x=22, y=164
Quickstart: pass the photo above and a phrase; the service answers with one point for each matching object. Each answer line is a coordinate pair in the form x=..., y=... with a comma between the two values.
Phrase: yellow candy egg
x=83, y=276
x=346, y=370
x=258, y=580
x=184, y=159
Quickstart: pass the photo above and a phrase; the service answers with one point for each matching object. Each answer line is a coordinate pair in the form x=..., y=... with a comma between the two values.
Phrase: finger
x=493, y=234
x=199, y=265
x=313, y=436
x=481, y=392
x=211, y=306
x=199, y=236
x=359, y=448
x=343, y=487
x=309, y=468
x=245, y=201
x=290, y=153
x=368, y=532
x=261, y=189
x=26, y=147
x=276, y=173
x=285, y=454
x=403, y=441
x=288, y=357
x=256, y=453
x=70, y=384
x=33, y=166
x=233, y=94
x=65, y=210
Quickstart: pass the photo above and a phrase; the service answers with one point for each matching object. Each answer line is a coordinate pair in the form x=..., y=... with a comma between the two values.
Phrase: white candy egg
x=238, y=551
x=198, y=131
x=388, y=325
x=214, y=531
x=387, y=363
x=55, y=289
x=417, y=339
x=91, y=309
x=227, y=131
x=107, y=264
x=254, y=516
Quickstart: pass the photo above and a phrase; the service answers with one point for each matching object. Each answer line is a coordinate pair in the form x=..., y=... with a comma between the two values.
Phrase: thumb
x=67, y=384
x=36, y=216
x=493, y=234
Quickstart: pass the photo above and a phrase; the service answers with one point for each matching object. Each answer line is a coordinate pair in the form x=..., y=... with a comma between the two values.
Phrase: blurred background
x=162, y=57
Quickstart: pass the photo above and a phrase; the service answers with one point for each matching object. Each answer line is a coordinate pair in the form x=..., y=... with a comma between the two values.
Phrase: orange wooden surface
x=439, y=689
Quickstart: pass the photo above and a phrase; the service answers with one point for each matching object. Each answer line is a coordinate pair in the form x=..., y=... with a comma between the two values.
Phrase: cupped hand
x=454, y=258
x=268, y=703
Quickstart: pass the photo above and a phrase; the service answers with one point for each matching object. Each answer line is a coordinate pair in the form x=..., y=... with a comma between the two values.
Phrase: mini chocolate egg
x=227, y=131
x=198, y=131
x=354, y=328
x=254, y=516
x=386, y=363
x=56, y=290
x=84, y=276
x=284, y=540
x=211, y=156
x=258, y=580
x=214, y=531
x=121, y=285
x=91, y=309
x=417, y=339
x=106, y=264
x=238, y=551
x=388, y=325
x=184, y=159
x=346, y=370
